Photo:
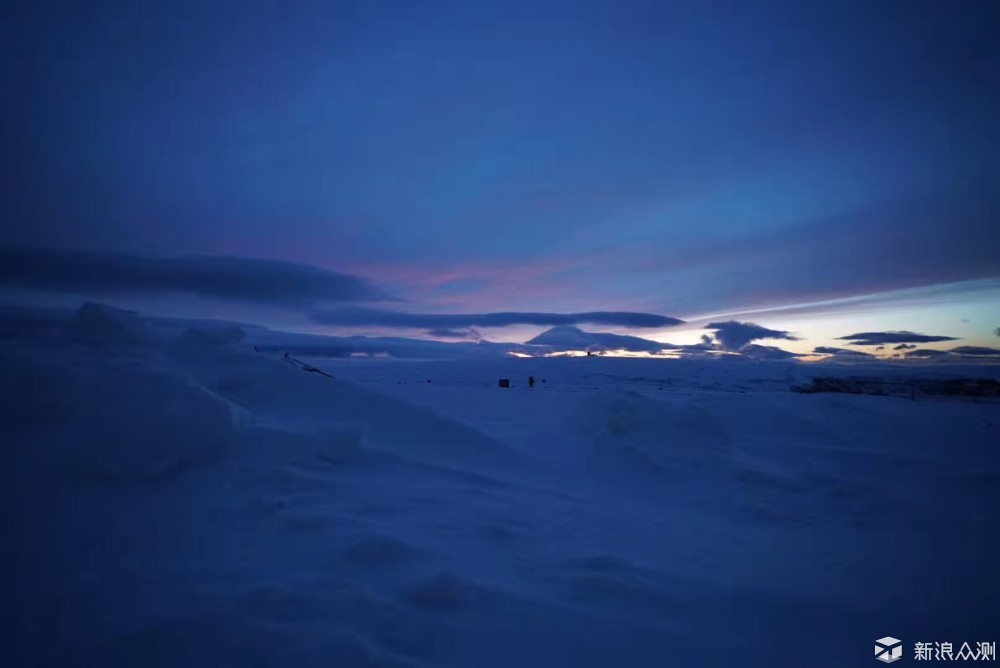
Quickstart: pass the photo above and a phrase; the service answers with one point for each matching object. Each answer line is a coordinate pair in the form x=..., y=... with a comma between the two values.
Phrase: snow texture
x=176, y=498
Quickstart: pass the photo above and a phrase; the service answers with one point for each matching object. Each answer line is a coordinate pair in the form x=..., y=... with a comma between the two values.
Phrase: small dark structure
x=531, y=381
x=505, y=382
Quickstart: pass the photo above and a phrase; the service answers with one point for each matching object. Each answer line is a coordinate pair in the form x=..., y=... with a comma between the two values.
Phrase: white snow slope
x=185, y=501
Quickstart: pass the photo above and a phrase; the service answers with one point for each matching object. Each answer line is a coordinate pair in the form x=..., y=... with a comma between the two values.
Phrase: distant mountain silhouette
x=567, y=337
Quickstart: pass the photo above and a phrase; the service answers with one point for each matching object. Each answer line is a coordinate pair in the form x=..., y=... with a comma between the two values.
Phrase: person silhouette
x=531, y=381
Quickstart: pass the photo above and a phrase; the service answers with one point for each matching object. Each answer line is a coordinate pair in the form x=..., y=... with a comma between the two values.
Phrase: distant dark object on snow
x=955, y=387
x=852, y=385
x=531, y=381
x=505, y=382
x=967, y=387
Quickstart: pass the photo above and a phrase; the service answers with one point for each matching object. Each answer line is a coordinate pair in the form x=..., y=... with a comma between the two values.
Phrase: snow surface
x=175, y=498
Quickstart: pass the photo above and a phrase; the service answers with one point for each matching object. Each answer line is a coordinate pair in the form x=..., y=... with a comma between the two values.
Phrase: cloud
x=904, y=346
x=914, y=298
x=880, y=338
x=733, y=335
x=315, y=345
x=384, y=318
x=470, y=334
x=927, y=353
x=951, y=236
x=976, y=351
x=233, y=278
x=841, y=352
x=997, y=331
x=707, y=344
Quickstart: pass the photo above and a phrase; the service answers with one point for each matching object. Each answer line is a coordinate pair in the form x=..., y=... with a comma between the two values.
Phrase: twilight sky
x=821, y=168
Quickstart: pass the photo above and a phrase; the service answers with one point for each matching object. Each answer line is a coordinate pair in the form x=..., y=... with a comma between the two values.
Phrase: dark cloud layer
x=366, y=317
x=951, y=233
x=976, y=351
x=926, y=353
x=733, y=335
x=767, y=352
x=881, y=338
x=134, y=128
x=235, y=278
x=904, y=346
x=840, y=352
x=444, y=333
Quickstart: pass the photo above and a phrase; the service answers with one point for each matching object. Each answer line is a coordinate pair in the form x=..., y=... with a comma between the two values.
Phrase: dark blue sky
x=674, y=158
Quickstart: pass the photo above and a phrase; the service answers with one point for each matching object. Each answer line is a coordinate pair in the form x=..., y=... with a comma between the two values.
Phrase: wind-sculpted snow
x=663, y=436
x=140, y=423
x=181, y=500
x=106, y=325
x=278, y=392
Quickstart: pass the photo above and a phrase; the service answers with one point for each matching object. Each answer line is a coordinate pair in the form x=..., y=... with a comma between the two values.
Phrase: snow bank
x=285, y=395
x=214, y=336
x=106, y=325
x=28, y=392
x=139, y=423
x=339, y=445
x=630, y=429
